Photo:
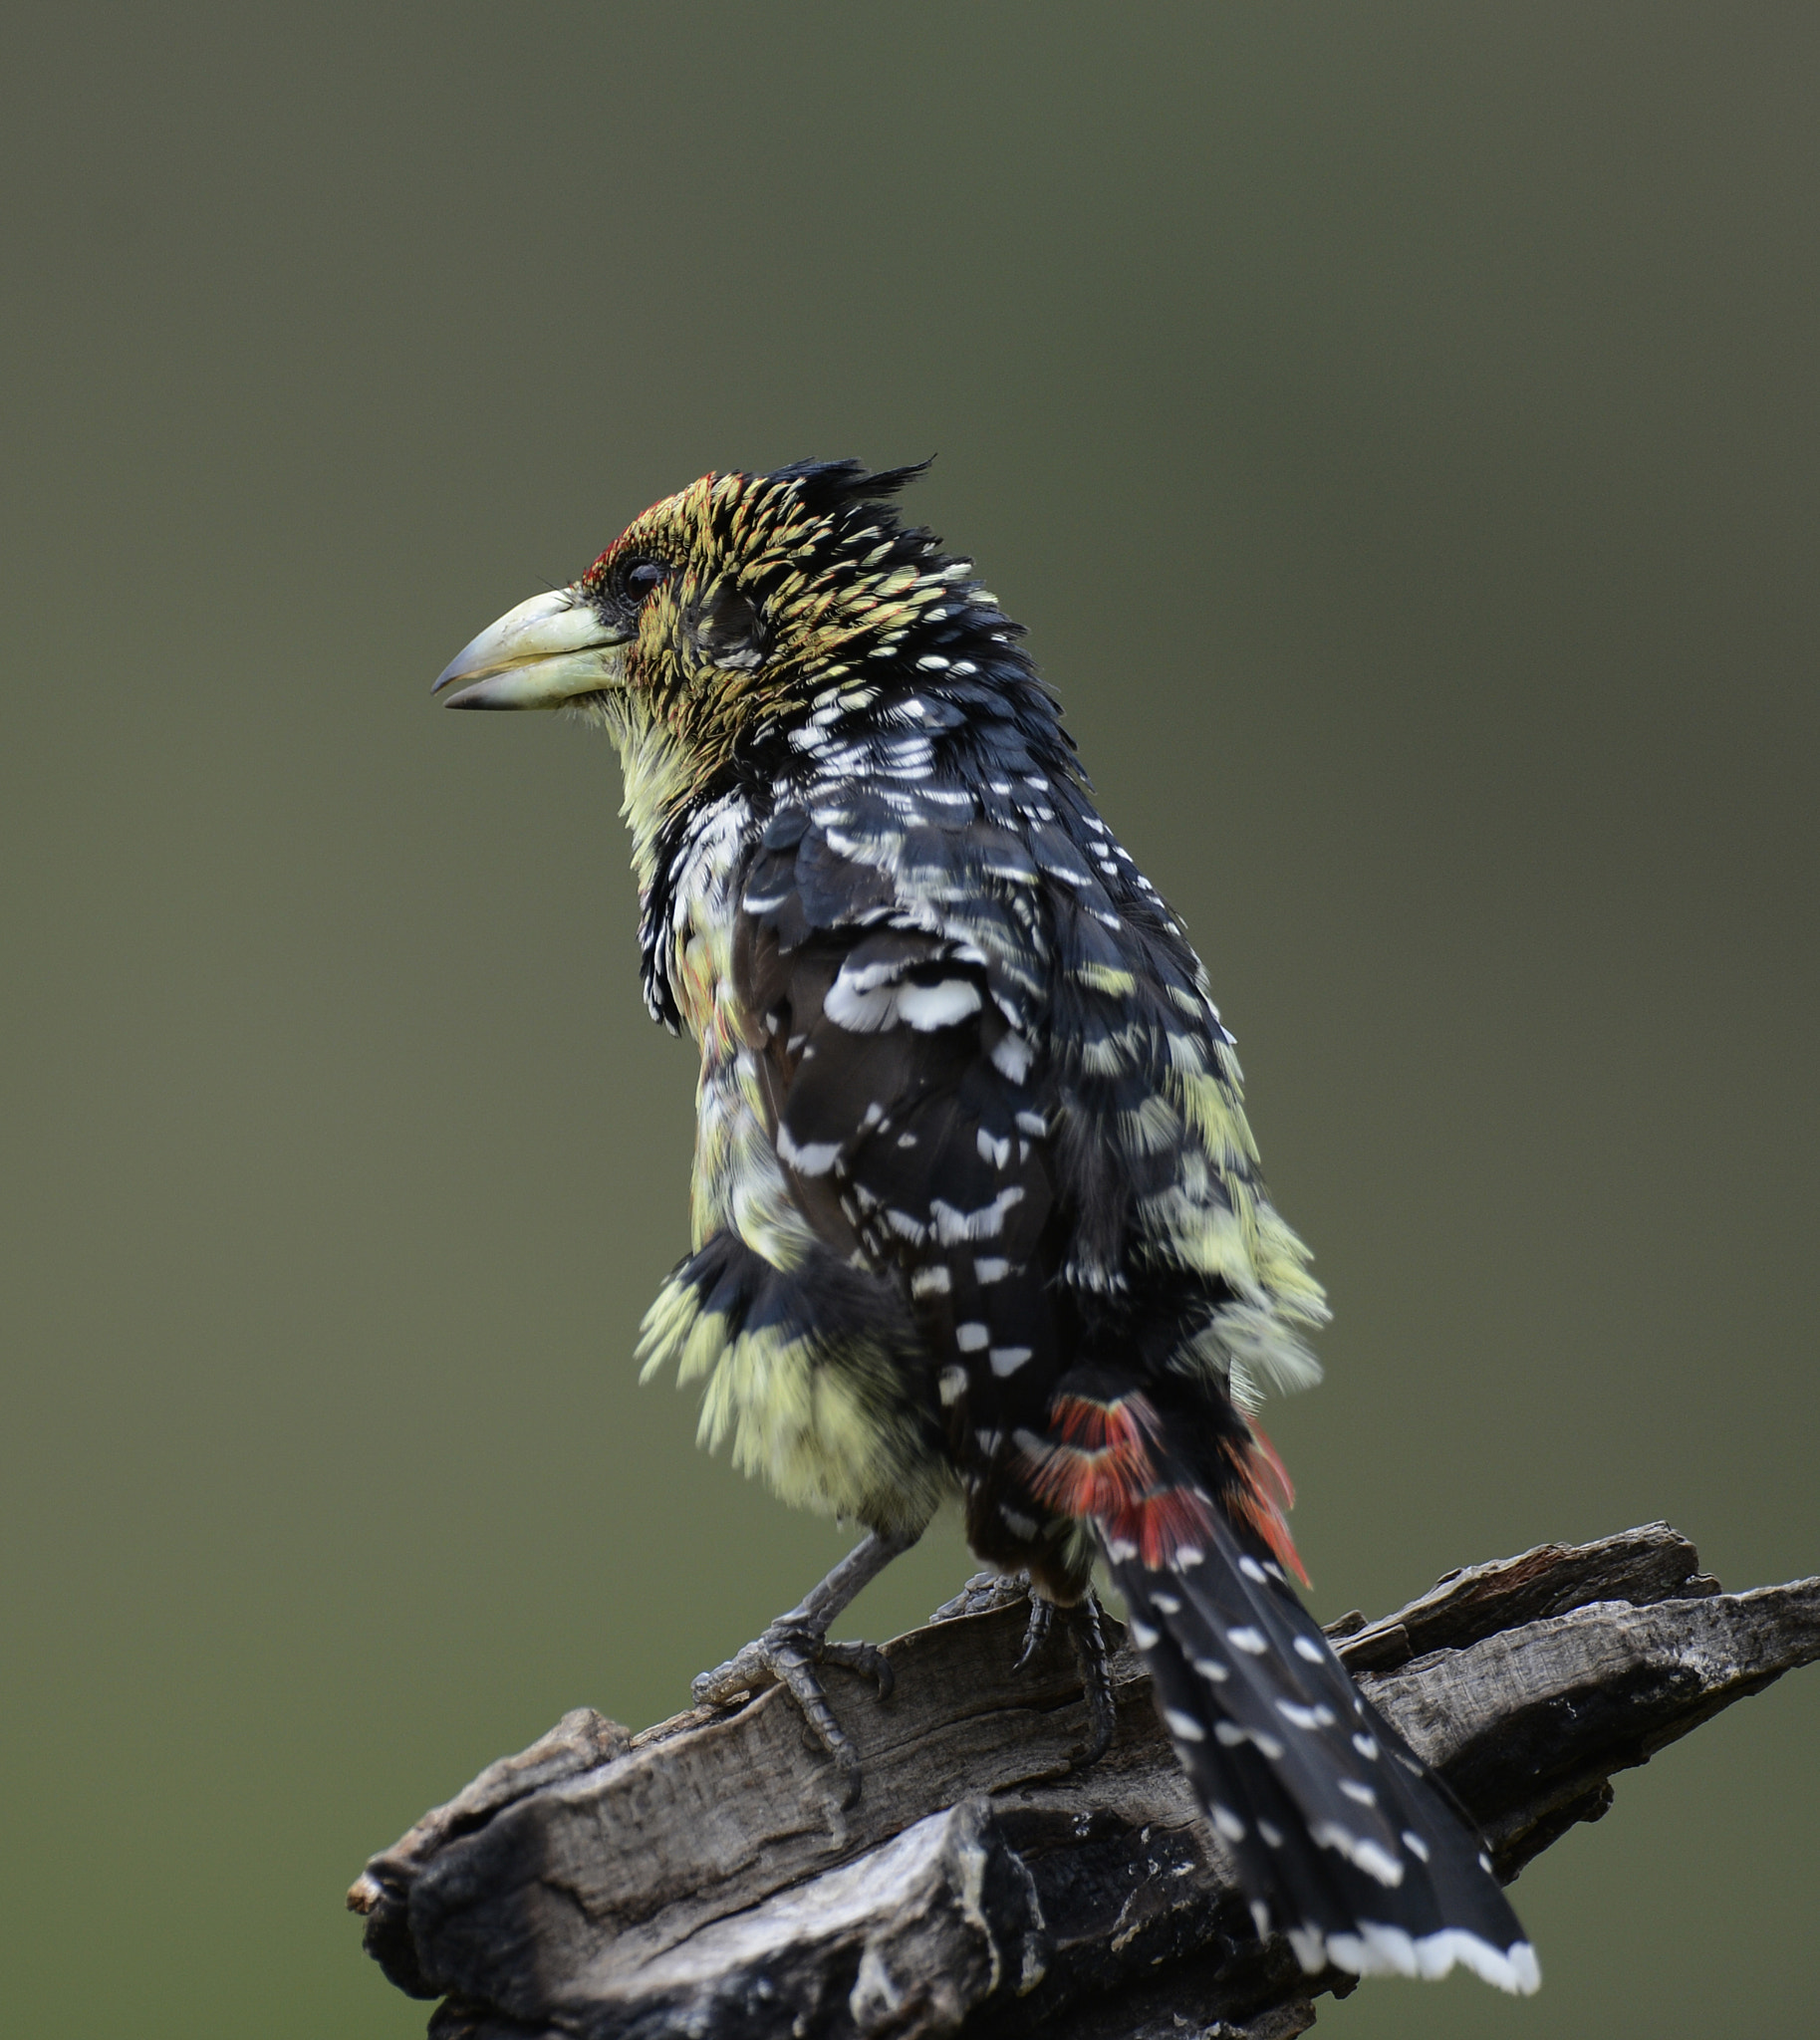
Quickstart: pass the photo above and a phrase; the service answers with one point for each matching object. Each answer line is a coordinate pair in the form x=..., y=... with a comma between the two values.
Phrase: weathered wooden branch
x=700, y=1879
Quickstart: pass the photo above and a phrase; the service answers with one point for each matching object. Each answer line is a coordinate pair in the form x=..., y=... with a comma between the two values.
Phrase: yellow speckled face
x=738, y=591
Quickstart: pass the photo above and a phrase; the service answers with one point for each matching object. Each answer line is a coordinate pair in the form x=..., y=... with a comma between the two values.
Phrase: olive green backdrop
x=1396, y=425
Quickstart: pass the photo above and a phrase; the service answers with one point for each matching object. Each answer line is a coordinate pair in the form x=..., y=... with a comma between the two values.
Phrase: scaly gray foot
x=987, y=1591
x=984, y=1592
x=789, y=1654
x=790, y=1648
x=1094, y=1661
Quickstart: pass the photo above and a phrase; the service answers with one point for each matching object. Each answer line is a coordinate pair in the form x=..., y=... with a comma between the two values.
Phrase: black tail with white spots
x=1345, y=1842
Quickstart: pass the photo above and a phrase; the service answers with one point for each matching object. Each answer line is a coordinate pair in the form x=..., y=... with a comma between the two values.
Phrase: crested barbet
x=977, y=1212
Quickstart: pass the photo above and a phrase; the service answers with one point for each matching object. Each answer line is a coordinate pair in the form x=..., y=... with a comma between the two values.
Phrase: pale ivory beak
x=542, y=654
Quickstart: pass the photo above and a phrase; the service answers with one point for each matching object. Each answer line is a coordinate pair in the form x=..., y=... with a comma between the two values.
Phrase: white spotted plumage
x=977, y=1210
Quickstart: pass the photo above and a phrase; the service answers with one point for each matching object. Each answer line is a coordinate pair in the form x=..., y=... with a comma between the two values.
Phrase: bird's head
x=720, y=617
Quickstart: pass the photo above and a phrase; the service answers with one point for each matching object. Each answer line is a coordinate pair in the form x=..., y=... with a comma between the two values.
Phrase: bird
x=976, y=1214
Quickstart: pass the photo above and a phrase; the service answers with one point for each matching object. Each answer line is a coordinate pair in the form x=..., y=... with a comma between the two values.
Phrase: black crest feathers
x=826, y=486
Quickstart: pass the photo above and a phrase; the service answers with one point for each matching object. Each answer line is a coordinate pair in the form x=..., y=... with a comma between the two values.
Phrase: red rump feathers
x=1264, y=1497
x=1105, y=1470
x=1101, y=1462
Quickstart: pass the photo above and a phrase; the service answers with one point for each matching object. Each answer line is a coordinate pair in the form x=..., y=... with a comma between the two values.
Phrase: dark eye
x=638, y=578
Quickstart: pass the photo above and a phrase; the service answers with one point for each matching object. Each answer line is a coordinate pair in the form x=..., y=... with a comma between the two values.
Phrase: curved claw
x=788, y=1655
x=794, y=1669
x=1036, y=1631
x=867, y=1660
x=1094, y=1661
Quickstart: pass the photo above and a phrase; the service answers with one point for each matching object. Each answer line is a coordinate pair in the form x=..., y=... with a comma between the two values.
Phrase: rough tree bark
x=700, y=1880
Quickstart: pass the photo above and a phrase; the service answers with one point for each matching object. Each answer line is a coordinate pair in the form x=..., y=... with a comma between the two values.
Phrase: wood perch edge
x=700, y=1880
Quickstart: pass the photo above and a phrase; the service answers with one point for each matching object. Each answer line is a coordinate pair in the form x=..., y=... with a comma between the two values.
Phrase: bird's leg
x=1094, y=1661
x=796, y=1644
x=986, y=1591
x=1091, y=1658
x=1036, y=1630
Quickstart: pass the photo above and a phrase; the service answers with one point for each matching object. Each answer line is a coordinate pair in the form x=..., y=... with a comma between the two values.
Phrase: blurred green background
x=1397, y=426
